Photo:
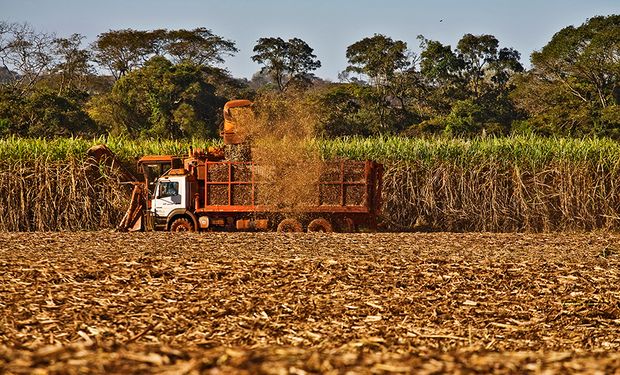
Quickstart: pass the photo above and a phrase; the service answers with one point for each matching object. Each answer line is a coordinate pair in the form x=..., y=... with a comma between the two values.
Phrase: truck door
x=169, y=195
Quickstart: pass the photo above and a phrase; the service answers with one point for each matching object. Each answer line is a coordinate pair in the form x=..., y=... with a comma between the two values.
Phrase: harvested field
x=108, y=302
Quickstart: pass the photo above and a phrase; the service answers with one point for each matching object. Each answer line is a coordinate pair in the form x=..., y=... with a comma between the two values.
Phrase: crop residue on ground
x=384, y=303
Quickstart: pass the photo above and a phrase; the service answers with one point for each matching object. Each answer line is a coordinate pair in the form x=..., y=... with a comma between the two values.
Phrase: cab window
x=168, y=189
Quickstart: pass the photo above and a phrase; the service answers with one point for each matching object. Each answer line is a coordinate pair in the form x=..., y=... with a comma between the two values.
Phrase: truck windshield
x=168, y=189
x=153, y=172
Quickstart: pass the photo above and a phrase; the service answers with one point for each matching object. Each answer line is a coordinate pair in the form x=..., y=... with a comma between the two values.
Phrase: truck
x=222, y=189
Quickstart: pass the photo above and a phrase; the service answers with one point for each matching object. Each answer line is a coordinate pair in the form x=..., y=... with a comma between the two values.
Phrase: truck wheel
x=320, y=225
x=289, y=226
x=181, y=225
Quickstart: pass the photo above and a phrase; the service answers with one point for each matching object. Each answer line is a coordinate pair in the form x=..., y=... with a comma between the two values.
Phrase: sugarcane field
x=191, y=188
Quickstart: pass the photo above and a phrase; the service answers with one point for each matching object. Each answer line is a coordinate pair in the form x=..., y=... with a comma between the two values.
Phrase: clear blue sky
x=328, y=26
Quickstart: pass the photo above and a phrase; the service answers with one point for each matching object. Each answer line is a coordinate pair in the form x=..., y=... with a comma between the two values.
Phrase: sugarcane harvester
x=221, y=188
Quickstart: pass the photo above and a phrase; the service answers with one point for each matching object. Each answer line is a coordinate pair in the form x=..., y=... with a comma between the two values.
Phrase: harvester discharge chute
x=234, y=132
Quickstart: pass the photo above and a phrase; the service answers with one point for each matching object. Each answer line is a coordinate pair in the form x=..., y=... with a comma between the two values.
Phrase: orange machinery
x=203, y=191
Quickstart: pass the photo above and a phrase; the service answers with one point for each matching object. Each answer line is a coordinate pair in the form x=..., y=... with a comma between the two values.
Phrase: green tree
x=379, y=58
x=44, y=113
x=51, y=115
x=477, y=52
x=587, y=54
x=389, y=68
x=288, y=63
x=438, y=63
x=340, y=112
x=121, y=51
x=198, y=46
x=466, y=90
x=466, y=118
x=12, y=105
x=481, y=57
x=442, y=77
x=163, y=100
x=573, y=85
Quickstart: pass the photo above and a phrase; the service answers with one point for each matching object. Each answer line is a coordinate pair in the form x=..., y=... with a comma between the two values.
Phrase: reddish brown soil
x=360, y=303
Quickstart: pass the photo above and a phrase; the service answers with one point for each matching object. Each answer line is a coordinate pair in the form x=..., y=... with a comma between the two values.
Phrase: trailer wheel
x=320, y=225
x=289, y=226
x=181, y=225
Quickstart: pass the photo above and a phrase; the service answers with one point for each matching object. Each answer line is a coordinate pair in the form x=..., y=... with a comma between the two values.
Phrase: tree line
x=171, y=84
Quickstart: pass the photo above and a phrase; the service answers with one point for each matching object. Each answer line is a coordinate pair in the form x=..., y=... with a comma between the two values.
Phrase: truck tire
x=289, y=226
x=181, y=225
x=320, y=225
